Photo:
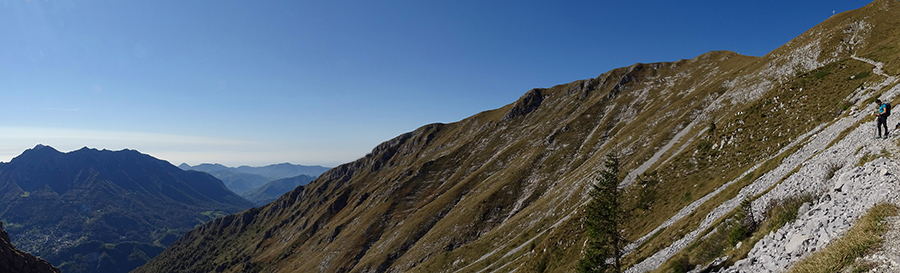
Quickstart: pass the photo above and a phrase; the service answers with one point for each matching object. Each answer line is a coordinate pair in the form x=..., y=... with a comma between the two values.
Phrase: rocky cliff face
x=13, y=260
x=503, y=190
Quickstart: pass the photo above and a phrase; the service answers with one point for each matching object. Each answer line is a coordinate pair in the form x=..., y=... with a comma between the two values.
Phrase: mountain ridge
x=400, y=151
x=503, y=189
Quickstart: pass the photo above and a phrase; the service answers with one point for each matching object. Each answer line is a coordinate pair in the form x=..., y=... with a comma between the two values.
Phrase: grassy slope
x=691, y=175
x=445, y=187
x=495, y=193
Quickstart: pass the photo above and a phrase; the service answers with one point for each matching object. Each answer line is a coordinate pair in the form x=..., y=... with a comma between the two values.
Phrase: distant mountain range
x=245, y=178
x=270, y=191
x=104, y=211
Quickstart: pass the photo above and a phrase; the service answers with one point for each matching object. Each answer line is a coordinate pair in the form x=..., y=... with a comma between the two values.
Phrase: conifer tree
x=603, y=220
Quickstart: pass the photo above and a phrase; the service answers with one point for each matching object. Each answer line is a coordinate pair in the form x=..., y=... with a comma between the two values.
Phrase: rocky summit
x=717, y=145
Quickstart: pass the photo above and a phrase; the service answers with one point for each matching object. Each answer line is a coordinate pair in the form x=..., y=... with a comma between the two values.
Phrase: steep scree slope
x=503, y=190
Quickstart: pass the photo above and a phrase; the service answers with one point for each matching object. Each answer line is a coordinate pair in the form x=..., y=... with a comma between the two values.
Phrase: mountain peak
x=40, y=152
x=42, y=148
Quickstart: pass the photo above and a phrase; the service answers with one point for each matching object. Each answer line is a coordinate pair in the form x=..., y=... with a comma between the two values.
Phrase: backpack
x=887, y=109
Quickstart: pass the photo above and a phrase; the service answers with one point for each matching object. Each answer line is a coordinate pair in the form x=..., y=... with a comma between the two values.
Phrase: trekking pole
x=875, y=129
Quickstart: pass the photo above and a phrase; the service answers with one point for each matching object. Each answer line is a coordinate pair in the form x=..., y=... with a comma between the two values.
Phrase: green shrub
x=846, y=106
x=541, y=265
x=783, y=211
x=738, y=233
x=704, y=146
x=681, y=265
x=831, y=169
x=646, y=191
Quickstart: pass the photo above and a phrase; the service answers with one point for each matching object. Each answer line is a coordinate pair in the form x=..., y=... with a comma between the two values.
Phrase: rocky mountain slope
x=104, y=211
x=13, y=260
x=504, y=190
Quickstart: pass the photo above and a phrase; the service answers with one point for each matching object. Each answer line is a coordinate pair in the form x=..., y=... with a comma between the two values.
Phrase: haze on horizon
x=257, y=83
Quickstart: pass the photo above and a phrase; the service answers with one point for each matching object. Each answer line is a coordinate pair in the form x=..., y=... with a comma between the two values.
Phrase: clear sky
x=324, y=82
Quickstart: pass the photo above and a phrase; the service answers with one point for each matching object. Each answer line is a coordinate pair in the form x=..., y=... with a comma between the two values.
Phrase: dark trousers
x=882, y=122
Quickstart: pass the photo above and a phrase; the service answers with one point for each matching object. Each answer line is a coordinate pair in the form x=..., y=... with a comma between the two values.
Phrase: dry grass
x=862, y=237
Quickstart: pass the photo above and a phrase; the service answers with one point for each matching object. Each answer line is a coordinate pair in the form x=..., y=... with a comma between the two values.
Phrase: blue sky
x=323, y=82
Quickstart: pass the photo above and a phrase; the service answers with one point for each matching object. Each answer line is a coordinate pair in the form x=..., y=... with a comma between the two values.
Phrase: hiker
x=884, y=110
